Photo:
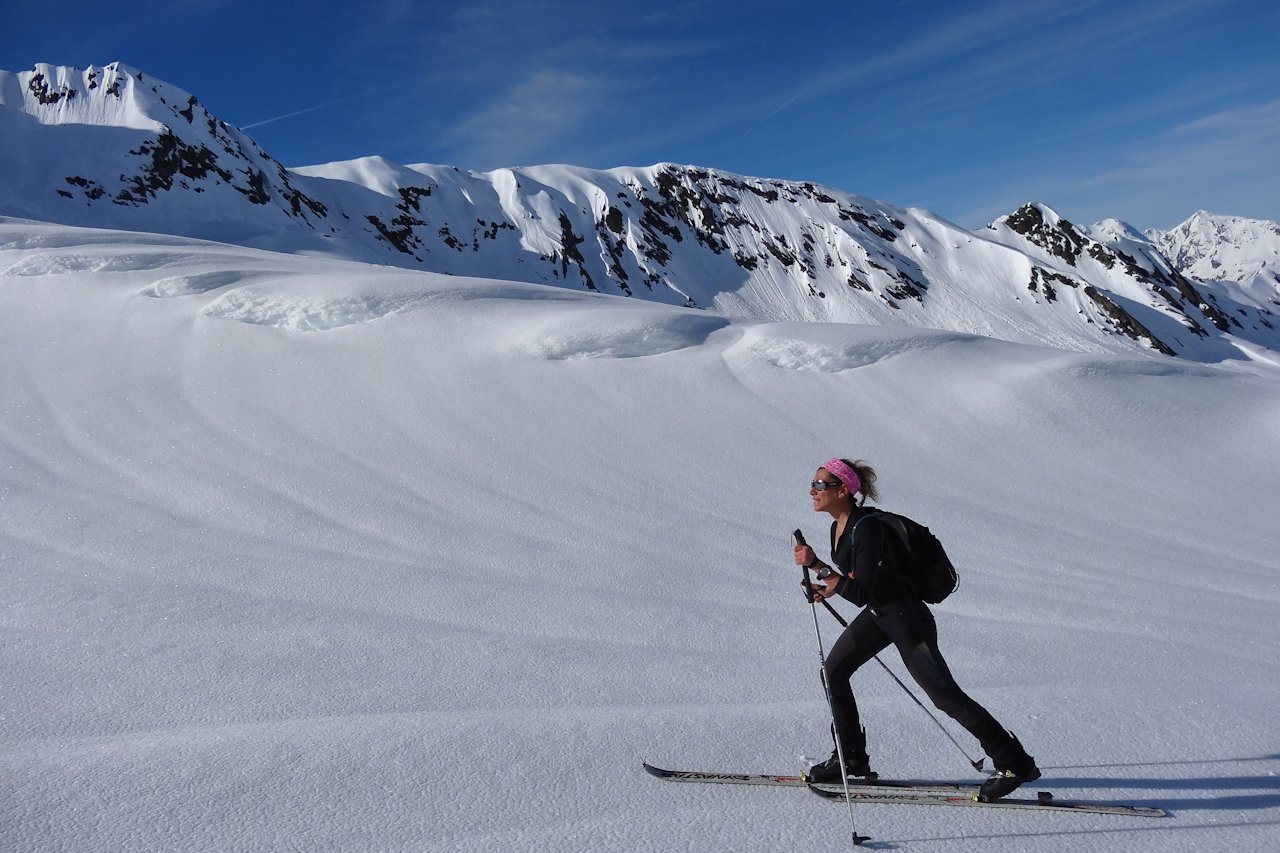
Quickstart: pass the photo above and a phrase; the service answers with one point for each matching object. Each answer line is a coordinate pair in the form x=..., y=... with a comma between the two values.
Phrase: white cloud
x=536, y=114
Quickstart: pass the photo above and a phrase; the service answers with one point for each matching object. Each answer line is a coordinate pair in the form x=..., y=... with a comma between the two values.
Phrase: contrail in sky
x=298, y=112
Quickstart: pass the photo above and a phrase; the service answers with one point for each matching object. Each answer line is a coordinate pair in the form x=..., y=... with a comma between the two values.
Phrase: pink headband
x=845, y=474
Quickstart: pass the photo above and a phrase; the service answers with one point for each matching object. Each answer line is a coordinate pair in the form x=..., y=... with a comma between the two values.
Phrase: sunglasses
x=823, y=485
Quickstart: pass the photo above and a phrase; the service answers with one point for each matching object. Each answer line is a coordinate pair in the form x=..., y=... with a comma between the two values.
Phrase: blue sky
x=1142, y=111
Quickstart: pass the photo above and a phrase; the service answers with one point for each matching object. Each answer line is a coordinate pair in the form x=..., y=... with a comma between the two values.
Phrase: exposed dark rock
x=569, y=242
x=614, y=221
x=857, y=283
x=401, y=237
x=616, y=250
x=869, y=222
x=906, y=288
x=1042, y=282
x=39, y=88
x=1188, y=292
x=297, y=200
x=491, y=230
x=779, y=252
x=1124, y=322
x=256, y=192
x=92, y=189
x=1101, y=255
x=683, y=201
x=818, y=195
x=168, y=157
x=1063, y=241
x=446, y=236
x=768, y=195
x=411, y=198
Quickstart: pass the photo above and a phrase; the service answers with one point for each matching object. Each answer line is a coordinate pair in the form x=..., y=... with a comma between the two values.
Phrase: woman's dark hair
x=867, y=475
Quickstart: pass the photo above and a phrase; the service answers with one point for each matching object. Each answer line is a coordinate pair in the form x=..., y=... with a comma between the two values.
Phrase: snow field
x=309, y=555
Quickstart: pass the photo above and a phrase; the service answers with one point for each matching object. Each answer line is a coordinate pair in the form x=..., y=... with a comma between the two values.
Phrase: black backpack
x=926, y=568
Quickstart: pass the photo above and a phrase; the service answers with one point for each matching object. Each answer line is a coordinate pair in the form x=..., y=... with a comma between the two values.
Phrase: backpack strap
x=891, y=521
x=853, y=530
x=899, y=528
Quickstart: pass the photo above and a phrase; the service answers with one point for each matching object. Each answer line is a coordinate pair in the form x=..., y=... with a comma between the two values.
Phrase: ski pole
x=976, y=764
x=826, y=689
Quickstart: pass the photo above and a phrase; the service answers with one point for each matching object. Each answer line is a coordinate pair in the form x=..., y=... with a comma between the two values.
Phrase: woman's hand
x=822, y=590
x=805, y=555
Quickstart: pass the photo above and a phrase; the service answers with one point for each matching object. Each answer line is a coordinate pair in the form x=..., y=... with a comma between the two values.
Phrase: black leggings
x=909, y=626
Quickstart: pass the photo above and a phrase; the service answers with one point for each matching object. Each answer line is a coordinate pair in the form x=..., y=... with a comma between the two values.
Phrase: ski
x=1045, y=801
x=907, y=791
x=796, y=781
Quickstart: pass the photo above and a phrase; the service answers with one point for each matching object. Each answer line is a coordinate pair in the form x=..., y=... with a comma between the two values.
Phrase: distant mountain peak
x=1235, y=249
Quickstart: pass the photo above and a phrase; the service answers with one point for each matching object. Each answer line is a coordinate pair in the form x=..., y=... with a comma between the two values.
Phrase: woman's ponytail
x=867, y=475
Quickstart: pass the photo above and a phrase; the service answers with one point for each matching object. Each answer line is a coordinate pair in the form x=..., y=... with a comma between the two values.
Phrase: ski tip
x=653, y=771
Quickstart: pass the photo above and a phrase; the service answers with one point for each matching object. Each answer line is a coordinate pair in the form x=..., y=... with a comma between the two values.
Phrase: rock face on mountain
x=110, y=147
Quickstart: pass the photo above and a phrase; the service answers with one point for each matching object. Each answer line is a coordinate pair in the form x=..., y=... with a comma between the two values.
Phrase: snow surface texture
x=311, y=555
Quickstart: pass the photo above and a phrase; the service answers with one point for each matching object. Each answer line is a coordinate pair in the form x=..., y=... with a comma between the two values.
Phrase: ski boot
x=1006, y=780
x=856, y=766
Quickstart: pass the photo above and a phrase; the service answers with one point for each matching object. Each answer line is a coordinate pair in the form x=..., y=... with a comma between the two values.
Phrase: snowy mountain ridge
x=1210, y=247
x=113, y=148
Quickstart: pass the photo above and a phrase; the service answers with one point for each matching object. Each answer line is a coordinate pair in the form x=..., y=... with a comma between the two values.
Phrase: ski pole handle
x=807, y=583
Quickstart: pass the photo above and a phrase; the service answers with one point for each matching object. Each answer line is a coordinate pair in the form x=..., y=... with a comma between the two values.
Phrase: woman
x=866, y=573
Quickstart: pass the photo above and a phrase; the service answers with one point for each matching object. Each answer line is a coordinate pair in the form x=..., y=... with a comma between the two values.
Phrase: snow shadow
x=614, y=337
x=303, y=314
x=191, y=285
x=818, y=351
x=1242, y=792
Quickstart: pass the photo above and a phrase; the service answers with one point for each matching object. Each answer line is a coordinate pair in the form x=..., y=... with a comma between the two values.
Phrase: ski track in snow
x=310, y=555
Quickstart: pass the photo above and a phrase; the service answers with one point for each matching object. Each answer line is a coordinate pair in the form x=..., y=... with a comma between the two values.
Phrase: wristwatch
x=824, y=573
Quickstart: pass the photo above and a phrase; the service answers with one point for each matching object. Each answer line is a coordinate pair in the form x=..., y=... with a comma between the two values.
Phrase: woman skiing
x=867, y=573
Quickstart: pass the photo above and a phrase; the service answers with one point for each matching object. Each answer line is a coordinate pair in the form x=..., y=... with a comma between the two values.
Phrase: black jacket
x=868, y=555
